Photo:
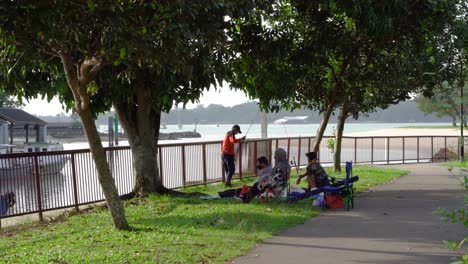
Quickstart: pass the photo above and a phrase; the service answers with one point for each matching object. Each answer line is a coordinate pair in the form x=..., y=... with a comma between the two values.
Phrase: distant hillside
x=405, y=112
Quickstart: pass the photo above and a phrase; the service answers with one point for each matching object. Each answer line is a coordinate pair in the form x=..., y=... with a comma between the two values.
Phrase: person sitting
x=259, y=185
x=281, y=172
x=316, y=175
x=277, y=180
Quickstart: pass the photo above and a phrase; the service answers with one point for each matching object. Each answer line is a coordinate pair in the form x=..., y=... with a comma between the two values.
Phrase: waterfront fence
x=45, y=181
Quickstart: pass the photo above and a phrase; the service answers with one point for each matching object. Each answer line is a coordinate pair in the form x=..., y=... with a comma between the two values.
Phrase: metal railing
x=45, y=181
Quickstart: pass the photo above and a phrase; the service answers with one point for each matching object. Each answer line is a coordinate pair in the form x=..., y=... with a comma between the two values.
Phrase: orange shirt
x=228, y=143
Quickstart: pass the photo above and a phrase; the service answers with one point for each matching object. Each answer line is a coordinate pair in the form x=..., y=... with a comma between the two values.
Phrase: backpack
x=335, y=201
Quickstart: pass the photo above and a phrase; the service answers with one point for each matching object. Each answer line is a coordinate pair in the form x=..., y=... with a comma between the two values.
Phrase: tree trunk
x=323, y=126
x=339, y=136
x=104, y=174
x=454, y=121
x=79, y=75
x=141, y=124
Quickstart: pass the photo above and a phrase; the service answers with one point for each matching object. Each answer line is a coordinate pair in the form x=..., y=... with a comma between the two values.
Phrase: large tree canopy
x=358, y=55
x=139, y=56
x=450, y=79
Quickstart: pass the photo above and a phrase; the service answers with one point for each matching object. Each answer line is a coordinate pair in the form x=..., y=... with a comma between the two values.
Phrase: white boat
x=291, y=120
x=14, y=167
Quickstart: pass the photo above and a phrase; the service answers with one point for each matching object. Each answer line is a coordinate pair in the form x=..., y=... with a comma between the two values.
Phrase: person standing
x=227, y=152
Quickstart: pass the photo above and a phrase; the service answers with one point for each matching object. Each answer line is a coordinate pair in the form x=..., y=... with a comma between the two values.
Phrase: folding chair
x=343, y=187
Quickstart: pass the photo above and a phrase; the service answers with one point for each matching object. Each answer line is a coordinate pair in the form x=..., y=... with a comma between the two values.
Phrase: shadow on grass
x=224, y=214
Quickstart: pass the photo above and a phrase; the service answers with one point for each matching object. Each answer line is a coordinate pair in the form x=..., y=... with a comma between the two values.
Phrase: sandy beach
x=388, y=132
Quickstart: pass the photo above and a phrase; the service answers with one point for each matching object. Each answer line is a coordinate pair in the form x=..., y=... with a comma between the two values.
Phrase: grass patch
x=457, y=164
x=166, y=229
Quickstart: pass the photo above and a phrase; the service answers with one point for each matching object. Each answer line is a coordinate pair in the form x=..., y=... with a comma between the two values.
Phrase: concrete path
x=392, y=223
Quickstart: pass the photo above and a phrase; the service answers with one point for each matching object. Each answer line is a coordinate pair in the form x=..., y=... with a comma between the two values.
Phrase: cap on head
x=311, y=155
x=236, y=128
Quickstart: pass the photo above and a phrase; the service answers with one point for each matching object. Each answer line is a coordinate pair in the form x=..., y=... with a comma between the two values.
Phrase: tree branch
x=89, y=69
x=68, y=66
x=79, y=91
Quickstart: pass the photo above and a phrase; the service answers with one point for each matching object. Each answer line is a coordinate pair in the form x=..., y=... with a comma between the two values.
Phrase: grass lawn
x=458, y=164
x=166, y=229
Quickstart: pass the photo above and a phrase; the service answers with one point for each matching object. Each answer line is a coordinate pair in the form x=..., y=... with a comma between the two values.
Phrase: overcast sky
x=223, y=96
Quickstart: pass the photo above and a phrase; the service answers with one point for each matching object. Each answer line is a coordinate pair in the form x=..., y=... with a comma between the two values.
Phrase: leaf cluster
x=175, y=49
x=313, y=53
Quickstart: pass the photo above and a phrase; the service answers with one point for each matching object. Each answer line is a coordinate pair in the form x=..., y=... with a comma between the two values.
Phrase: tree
x=55, y=51
x=444, y=102
x=9, y=101
x=139, y=57
x=195, y=34
x=357, y=56
x=449, y=80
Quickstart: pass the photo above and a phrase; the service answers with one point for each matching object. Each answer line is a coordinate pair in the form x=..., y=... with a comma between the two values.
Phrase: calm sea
x=216, y=132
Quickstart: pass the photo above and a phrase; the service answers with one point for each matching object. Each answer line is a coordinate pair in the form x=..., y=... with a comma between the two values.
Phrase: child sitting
x=316, y=175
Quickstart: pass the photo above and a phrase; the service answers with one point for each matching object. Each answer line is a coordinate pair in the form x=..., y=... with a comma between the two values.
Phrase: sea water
x=215, y=132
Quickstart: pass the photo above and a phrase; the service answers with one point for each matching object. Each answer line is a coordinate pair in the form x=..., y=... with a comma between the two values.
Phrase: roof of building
x=291, y=119
x=19, y=117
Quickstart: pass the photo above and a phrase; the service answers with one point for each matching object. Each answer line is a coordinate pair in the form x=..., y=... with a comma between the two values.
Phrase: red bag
x=334, y=201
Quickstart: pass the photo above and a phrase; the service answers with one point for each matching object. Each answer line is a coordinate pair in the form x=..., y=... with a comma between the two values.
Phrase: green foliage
x=458, y=215
x=331, y=141
x=9, y=101
x=164, y=230
x=319, y=53
x=449, y=80
x=175, y=49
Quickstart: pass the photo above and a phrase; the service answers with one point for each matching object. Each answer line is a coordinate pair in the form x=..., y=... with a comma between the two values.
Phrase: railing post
x=388, y=150
x=223, y=169
x=276, y=145
x=372, y=150
x=403, y=149
x=75, y=187
x=308, y=147
x=355, y=150
x=38, y=187
x=270, y=150
x=240, y=160
x=432, y=149
x=445, y=148
x=255, y=158
x=204, y=163
x=289, y=145
x=184, y=179
x=417, y=151
x=299, y=154
x=161, y=166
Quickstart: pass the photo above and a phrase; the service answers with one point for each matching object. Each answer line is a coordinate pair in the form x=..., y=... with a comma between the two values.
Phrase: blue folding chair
x=346, y=190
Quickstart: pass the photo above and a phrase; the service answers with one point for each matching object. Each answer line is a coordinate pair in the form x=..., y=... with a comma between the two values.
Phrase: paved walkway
x=392, y=223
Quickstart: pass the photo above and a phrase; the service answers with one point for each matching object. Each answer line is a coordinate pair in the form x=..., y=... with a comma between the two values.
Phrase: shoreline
x=386, y=132
x=408, y=132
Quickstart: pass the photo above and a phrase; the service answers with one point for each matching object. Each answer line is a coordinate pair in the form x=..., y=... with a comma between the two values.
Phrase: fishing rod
x=251, y=123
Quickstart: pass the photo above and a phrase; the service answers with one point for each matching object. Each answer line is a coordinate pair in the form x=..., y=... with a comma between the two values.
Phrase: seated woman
x=316, y=175
x=281, y=171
